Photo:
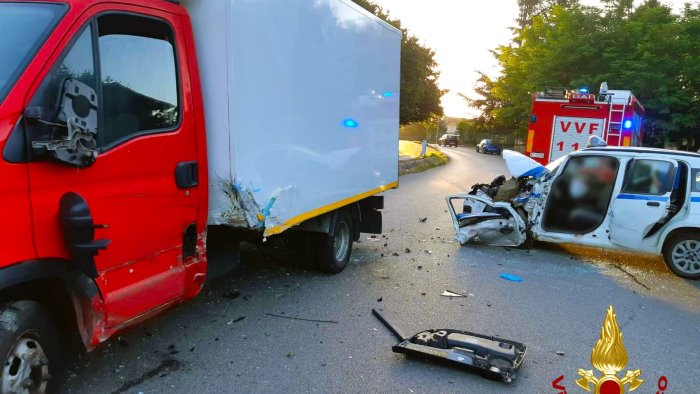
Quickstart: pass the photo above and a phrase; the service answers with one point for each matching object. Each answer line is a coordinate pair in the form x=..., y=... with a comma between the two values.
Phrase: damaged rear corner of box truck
x=301, y=102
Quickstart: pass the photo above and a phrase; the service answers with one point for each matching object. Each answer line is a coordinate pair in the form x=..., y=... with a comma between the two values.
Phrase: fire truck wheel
x=29, y=343
x=334, y=251
x=682, y=255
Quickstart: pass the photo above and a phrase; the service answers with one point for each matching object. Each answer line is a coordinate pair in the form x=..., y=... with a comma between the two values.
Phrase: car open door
x=484, y=221
x=644, y=201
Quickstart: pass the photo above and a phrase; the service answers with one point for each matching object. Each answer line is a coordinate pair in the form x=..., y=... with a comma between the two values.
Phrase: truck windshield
x=23, y=28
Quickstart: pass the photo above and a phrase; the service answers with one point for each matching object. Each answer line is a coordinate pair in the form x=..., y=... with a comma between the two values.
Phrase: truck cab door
x=644, y=201
x=118, y=88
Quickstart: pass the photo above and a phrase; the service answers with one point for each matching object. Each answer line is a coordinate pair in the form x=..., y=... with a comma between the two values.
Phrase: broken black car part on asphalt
x=491, y=357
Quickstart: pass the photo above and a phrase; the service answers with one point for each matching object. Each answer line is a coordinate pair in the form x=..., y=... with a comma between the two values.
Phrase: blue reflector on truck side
x=350, y=123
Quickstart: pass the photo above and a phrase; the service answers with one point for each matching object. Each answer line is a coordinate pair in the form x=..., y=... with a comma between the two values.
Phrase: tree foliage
x=646, y=48
x=420, y=94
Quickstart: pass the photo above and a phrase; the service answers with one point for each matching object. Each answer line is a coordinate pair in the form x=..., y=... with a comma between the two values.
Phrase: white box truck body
x=302, y=107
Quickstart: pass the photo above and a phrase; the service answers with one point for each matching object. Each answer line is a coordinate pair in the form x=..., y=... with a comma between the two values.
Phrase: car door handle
x=653, y=204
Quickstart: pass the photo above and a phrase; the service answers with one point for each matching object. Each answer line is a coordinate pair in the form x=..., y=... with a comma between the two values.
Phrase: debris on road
x=512, y=278
x=407, y=250
x=236, y=320
x=560, y=353
x=423, y=220
x=486, y=355
x=302, y=319
x=380, y=299
x=451, y=294
x=232, y=295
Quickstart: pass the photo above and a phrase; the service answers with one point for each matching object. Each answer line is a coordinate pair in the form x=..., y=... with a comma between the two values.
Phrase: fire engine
x=563, y=120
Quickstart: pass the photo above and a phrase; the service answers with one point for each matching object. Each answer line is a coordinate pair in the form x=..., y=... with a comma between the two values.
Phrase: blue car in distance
x=487, y=146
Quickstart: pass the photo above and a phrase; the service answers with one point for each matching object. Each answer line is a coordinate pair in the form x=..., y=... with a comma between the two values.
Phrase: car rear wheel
x=30, y=347
x=682, y=255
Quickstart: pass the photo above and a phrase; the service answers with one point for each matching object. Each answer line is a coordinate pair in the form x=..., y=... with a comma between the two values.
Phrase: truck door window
x=649, y=177
x=138, y=77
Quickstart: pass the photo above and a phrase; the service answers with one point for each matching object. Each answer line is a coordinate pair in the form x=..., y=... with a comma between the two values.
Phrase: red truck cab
x=105, y=174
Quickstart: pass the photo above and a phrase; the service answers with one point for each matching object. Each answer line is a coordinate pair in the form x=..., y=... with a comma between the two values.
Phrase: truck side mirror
x=73, y=140
x=33, y=114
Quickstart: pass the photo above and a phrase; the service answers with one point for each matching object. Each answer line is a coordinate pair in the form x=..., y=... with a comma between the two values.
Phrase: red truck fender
x=72, y=298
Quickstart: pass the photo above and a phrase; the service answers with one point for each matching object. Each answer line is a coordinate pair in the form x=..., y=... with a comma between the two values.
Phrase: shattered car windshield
x=23, y=27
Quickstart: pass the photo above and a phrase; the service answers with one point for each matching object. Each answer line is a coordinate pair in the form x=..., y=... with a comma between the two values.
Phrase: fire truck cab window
x=580, y=196
x=650, y=177
x=139, y=77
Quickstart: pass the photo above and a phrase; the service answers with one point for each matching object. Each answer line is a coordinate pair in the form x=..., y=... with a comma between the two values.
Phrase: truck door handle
x=186, y=174
x=653, y=204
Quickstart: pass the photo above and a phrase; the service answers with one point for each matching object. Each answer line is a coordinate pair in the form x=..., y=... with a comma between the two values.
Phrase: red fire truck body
x=563, y=121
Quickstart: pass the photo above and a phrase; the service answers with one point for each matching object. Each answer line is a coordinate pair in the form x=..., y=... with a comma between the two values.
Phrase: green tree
x=647, y=49
x=420, y=94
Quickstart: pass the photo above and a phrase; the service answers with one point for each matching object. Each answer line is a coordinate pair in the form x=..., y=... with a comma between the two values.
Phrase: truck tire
x=333, y=252
x=30, y=347
x=682, y=255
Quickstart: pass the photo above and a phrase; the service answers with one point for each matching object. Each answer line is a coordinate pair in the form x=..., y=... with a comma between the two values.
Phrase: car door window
x=649, y=177
x=138, y=77
x=696, y=180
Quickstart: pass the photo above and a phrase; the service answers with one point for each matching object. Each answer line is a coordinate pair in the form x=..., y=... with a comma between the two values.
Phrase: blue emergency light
x=628, y=124
x=583, y=90
x=350, y=123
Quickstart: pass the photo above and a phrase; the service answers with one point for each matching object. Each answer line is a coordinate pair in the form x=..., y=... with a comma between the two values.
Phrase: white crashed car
x=638, y=199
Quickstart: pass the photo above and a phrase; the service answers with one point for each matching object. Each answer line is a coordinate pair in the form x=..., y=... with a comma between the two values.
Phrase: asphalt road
x=218, y=343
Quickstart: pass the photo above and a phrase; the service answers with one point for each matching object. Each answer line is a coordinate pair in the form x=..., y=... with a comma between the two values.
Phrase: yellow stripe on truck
x=626, y=141
x=530, y=140
x=325, y=209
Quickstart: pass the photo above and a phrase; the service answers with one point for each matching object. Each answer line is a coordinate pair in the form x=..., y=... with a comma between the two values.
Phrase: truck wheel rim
x=686, y=256
x=26, y=368
x=341, y=243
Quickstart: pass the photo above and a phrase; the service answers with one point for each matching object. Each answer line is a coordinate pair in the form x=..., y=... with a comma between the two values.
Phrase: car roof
x=636, y=150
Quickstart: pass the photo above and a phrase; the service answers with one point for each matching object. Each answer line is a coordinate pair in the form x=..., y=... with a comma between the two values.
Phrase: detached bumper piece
x=490, y=357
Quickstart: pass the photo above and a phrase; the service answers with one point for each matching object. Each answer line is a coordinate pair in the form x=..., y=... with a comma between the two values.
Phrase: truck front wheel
x=334, y=250
x=30, y=348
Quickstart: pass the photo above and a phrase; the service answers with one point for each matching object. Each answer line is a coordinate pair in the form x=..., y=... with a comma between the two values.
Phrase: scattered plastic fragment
x=423, y=220
x=448, y=293
x=302, y=319
x=561, y=353
x=512, y=278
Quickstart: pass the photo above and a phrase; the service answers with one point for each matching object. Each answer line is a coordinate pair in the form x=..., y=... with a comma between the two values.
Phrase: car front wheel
x=682, y=255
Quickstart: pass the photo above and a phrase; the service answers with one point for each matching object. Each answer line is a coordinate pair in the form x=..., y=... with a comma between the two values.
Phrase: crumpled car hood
x=520, y=165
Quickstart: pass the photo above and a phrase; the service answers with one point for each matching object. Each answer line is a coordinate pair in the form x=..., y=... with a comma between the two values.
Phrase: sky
x=462, y=32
